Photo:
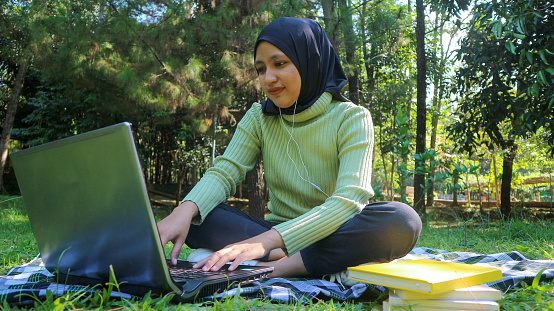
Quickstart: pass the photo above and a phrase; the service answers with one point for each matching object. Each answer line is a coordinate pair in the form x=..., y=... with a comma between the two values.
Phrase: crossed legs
x=381, y=232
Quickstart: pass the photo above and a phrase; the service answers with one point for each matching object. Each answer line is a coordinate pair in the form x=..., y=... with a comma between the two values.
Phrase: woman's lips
x=275, y=90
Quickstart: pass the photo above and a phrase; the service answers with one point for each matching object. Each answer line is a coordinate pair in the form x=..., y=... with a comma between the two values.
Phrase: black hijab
x=307, y=46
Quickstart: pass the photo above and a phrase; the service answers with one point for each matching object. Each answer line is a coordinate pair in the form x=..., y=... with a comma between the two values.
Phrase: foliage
x=388, y=59
x=171, y=67
x=170, y=146
x=386, y=79
x=506, y=78
x=451, y=7
x=502, y=85
x=402, y=150
x=55, y=116
x=378, y=195
x=426, y=160
x=536, y=296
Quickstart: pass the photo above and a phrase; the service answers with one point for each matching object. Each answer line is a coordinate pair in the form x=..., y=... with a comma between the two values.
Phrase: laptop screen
x=89, y=208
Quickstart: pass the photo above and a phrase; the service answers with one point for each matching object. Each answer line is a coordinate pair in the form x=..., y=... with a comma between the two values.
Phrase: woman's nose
x=270, y=77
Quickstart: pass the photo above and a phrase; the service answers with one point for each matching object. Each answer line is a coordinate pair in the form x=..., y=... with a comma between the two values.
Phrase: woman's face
x=279, y=77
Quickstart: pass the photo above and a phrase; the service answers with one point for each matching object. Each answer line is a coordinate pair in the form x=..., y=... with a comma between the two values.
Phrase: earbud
x=315, y=186
x=298, y=147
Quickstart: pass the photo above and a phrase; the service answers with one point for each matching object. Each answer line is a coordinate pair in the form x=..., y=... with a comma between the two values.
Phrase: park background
x=461, y=92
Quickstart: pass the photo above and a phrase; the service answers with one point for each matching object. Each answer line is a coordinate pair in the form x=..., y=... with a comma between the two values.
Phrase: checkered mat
x=24, y=284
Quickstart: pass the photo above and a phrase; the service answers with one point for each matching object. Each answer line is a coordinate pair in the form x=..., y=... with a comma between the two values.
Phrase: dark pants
x=381, y=232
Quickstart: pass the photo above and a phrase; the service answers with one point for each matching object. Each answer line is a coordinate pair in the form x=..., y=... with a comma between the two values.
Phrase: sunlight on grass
x=17, y=243
x=532, y=238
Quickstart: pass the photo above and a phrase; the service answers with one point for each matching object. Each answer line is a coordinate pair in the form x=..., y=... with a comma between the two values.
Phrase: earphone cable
x=299, y=153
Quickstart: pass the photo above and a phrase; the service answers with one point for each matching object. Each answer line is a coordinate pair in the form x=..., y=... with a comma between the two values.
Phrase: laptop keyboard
x=180, y=274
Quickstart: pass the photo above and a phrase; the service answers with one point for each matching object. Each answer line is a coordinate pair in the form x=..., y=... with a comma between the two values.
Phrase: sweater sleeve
x=220, y=181
x=353, y=188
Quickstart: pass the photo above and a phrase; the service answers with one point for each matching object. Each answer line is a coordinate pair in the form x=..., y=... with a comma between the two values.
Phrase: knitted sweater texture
x=335, y=140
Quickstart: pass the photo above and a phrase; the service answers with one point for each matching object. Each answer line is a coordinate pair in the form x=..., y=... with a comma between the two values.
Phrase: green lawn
x=17, y=244
x=533, y=238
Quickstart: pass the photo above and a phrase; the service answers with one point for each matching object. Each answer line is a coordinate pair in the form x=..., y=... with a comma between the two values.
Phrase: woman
x=317, y=153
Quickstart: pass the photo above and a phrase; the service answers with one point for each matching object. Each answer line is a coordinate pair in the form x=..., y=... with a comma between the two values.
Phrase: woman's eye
x=260, y=70
x=279, y=64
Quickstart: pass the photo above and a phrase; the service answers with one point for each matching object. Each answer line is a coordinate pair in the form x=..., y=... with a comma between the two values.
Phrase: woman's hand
x=240, y=252
x=175, y=227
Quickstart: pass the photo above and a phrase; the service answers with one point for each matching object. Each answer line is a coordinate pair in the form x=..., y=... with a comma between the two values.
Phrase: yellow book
x=389, y=307
x=424, y=275
x=483, y=305
x=477, y=292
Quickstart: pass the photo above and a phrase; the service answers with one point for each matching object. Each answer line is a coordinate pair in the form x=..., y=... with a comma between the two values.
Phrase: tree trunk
x=385, y=172
x=496, y=190
x=419, y=178
x=455, y=189
x=331, y=21
x=256, y=202
x=481, y=209
x=10, y=117
x=350, y=47
x=431, y=186
x=551, y=189
x=392, y=165
x=437, y=83
x=101, y=12
x=505, y=191
x=468, y=191
x=246, y=7
x=181, y=176
x=194, y=177
x=370, y=69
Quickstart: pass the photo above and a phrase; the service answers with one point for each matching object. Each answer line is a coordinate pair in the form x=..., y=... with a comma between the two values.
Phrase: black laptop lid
x=89, y=209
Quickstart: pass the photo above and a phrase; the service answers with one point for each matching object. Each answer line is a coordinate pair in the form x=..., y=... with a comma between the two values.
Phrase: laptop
x=89, y=210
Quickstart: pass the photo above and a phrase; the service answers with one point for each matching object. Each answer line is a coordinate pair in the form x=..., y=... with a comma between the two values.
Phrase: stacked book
x=432, y=285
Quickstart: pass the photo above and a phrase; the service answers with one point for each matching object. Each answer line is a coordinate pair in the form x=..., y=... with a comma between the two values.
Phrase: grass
x=533, y=238
x=17, y=243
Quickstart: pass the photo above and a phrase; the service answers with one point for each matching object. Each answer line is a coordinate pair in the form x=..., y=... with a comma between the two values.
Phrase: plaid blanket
x=25, y=284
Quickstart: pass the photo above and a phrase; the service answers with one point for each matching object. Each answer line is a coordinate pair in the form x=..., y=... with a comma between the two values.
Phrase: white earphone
x=298, y=147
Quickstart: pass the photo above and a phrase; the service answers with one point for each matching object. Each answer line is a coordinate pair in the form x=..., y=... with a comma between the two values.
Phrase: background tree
x=160, y=65
x=338, y=23
x=10, y=116
x=505, y=82
x=387, y=50
x=17, y=50
x=441, y=63
x=181, y=73
x=419, y=178
x=452, y=8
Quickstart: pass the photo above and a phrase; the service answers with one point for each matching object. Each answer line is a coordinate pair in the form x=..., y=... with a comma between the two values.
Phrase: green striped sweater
x=336, y=146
